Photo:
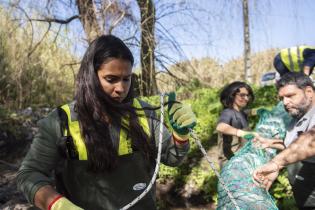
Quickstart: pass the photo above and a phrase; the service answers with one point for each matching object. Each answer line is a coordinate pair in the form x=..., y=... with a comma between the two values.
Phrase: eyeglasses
x=243, y=95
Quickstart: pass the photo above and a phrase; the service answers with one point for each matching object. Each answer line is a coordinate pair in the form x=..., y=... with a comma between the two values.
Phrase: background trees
x=140, y=22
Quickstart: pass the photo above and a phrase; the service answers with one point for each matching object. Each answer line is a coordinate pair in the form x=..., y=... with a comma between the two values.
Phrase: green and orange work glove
x=181, y=118
x=62, y=203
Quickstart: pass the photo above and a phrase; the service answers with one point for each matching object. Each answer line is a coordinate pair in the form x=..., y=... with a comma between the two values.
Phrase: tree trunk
x=247, y=64
x=88, y=19
x=148, y=82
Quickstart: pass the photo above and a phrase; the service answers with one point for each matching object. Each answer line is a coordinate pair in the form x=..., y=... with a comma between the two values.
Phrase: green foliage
x=206, y=106
x=193, y=84
x=265, y=96
x=282, y=191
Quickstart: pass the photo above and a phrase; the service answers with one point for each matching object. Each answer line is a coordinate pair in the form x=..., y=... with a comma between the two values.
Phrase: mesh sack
x=237, y=172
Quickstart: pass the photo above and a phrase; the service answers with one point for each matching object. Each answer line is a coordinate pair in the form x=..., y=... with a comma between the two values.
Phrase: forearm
x=230, y=130
x=302, y=148
x=226, y=129
x=41, y=159
x=173, y=153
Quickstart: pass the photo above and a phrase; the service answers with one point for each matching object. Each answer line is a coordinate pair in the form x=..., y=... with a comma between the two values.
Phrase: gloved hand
x=259, y=111
x=181, y=117
x=64, y=204
x=248, y=135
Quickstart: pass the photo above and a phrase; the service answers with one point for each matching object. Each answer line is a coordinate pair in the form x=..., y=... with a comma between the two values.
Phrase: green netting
x=237, y=172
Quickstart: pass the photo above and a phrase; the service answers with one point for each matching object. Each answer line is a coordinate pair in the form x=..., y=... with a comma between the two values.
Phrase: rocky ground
x=15, y=141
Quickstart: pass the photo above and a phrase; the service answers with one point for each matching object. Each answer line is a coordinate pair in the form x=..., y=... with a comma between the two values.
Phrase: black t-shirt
x=233, y=118
x=237, y=120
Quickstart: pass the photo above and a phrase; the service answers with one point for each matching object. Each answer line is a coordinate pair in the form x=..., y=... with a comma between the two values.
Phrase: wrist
x=54, y=201
x=277, y=164
x=240, y=133
x=180, y=139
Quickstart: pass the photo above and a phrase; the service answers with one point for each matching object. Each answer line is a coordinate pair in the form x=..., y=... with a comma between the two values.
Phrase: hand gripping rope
x=158, y=160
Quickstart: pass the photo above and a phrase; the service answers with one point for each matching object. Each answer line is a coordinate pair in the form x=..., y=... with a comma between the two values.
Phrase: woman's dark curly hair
x=97, y=112
x=229, y=92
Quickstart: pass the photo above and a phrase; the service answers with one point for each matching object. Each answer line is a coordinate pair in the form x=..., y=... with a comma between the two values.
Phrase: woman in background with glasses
x=232, y=125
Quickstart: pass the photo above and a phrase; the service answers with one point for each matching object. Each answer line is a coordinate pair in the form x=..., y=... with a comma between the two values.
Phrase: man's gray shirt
x=299, y=126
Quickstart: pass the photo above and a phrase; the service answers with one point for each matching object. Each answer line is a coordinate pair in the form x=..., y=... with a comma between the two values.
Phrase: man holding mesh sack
x=298, y=95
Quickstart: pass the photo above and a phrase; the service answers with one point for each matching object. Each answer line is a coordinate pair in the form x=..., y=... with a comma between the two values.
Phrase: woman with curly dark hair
x=233, y=121
x=101, y=148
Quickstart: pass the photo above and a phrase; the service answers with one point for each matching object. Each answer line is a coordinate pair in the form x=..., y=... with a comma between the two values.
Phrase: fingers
x=261, y=143
x=265, y=175
x=180, y=111
x=259, y=180
x=185, y=120
x=174, y=107
x=268, y=185
x=256, y=175
x=183, y=115
x=256, y=143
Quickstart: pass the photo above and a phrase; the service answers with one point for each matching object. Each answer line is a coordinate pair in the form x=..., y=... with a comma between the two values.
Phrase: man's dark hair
x=229, y=92
x=295, y=78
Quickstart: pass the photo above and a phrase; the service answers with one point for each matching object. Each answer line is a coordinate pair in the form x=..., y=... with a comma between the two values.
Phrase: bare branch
x=56, y=20
x=118, y=20
x=16, y=5
x=168, y=71
x=38, y=43
x=57, y=34
x=69, y=64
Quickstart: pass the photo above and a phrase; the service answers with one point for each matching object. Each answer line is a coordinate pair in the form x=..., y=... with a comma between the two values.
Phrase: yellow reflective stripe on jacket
x=143, y=120
x=74, y=130
x=293, y=58
x=125, y=142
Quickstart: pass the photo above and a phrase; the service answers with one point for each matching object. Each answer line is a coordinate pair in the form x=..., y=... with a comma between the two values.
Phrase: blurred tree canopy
x=39, y=76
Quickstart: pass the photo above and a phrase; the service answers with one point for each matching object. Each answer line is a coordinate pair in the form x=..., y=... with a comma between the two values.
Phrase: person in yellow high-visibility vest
x=295, y=59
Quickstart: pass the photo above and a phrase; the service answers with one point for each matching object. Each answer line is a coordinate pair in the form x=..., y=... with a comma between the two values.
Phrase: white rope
x=158, y=160
x=202, y=149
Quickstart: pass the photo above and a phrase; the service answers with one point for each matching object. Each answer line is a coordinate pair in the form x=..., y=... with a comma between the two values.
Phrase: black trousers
x=302, y=179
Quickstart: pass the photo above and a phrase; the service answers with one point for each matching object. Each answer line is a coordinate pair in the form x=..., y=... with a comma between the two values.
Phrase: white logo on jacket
x=139, y=186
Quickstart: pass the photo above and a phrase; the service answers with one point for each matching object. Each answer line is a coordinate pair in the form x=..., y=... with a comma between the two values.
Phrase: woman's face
x=115, y=78
x=241, y=98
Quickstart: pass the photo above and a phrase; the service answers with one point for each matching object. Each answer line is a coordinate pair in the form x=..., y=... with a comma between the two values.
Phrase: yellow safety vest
x=124, y=141
x=293, y=58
